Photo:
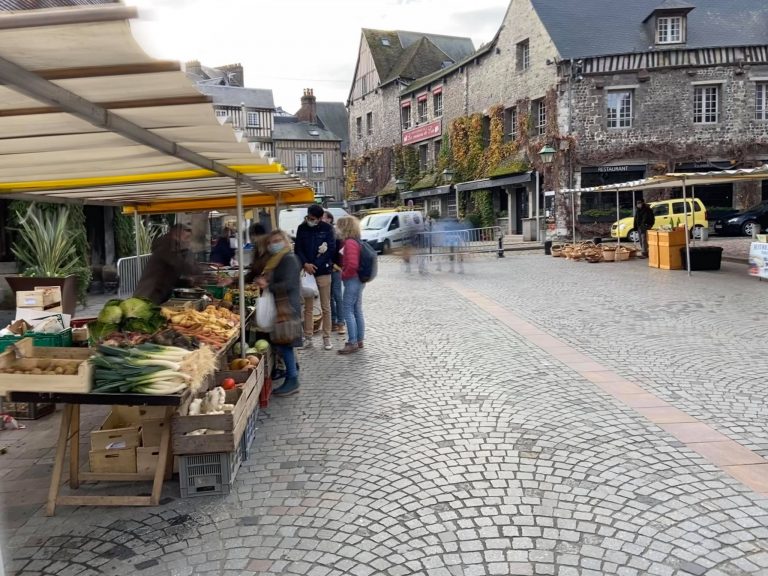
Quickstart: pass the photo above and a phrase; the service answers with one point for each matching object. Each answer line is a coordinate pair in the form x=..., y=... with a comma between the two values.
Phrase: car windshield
x=762, y=206
x=375, y=222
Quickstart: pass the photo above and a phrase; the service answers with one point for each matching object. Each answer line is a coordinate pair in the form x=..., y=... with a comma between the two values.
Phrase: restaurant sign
x=423, y=132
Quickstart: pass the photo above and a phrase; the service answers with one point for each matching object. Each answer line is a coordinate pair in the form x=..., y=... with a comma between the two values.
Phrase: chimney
x=193, y=67
x=308, y=112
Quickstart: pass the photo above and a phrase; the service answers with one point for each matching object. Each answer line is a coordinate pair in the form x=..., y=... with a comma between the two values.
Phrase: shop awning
x=494, y=182
x=426, y=192
x=87, y=116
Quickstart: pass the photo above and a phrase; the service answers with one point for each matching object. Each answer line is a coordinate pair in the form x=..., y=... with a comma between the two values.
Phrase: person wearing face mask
x=281, y=276
x=315, y=246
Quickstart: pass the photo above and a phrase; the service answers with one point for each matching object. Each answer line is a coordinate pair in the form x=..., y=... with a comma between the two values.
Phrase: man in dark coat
x=644, y=221
x=171, y=260
x=315, y=246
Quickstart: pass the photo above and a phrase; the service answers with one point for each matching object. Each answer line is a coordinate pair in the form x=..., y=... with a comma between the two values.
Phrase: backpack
x=368, y=262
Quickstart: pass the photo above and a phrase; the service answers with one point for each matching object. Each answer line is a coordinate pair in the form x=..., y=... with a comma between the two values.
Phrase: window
x=437, y=147
x=319, y=187
x=541, y=117
x=434, y=205
x=437, y=104
x=359, y=126
x=423, y=157
x=510, y=123
x=619, y=108
x=422, y=111
x=318, y=162
x=405, y=116
x=253, y=120
x=221, y=112
x=761, y=101
x=395, y=224
x=523, y=55
x=669, y=30
x=301, y=162
x=706, y=104
x=679, y=207
x=369, y=123
x=661, y=210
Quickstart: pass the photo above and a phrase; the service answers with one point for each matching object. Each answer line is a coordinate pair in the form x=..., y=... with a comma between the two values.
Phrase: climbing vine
x=124, y=239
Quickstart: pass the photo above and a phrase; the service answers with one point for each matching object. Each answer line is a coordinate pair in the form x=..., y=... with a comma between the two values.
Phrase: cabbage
x=110, y=315
x=137, y=308
x=262, y=346
x=137, y=325
x=98, y=331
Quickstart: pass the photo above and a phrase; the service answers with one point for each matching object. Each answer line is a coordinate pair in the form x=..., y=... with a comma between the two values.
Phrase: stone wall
x=384, y=104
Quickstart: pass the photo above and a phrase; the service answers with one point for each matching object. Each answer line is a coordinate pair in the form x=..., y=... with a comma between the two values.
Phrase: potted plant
x=47, y=253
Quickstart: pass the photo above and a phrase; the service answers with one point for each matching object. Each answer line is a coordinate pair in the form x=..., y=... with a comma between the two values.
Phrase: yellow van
x=667, y=212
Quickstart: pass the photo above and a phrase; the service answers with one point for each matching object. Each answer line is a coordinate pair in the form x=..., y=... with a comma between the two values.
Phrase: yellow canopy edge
x=287, y=197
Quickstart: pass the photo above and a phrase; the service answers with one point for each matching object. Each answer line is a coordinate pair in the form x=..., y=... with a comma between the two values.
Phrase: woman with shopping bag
x=281, y=278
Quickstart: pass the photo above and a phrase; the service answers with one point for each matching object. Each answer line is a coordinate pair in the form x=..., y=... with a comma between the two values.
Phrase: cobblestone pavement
x=453, y=445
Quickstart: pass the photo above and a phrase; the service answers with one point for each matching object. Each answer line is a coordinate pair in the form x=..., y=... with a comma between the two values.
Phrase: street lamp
x=401, y=184
x=448, y=175
x=547, y=155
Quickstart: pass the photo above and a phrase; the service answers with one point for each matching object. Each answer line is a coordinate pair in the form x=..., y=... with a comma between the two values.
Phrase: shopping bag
x=288, y=326
x=308, y=286
x=266, y=312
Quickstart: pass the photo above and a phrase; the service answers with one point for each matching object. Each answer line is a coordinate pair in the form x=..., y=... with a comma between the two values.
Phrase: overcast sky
x=289, y=45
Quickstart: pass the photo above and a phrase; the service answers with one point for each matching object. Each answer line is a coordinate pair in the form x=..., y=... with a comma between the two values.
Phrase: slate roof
x=398, y=53
x=581, y=28
x=236, y=96
x=291, y=128
x=37, y=4
x=333, y=116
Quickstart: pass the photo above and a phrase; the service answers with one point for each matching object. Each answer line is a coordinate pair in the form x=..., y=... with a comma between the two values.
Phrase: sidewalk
x=531, y=416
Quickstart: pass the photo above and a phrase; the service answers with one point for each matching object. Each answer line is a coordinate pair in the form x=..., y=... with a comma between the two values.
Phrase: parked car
x=387, y=230
x=743, y=222
x=667, y=212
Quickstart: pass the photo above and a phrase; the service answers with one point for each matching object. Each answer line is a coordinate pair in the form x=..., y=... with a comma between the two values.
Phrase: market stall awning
x=494, y=182
x=425, y=192
x=86, y=115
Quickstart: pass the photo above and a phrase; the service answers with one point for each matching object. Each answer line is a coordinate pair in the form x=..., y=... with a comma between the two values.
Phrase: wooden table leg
x=58, y=465
x=162, y=460
x=74, y=447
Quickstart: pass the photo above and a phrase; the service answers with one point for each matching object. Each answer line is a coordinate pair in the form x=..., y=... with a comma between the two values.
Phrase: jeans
x=324, y=287
x=289, y=358
x=337, y=312
x=643, y=241
x=353, y=310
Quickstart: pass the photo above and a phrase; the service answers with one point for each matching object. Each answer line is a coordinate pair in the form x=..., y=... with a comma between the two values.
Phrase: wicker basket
x=622, y=254
x=557, y=252
x=609, y=255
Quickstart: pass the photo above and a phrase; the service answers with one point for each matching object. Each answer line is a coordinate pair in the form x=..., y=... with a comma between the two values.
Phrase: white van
x=387, y=230
x=291, y=218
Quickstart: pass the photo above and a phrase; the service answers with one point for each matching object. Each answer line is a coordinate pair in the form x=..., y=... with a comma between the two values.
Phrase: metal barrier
x=129, y=272
x=449, y=242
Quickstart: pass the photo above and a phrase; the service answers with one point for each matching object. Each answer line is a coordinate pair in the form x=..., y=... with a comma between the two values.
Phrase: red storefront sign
x=423, y=132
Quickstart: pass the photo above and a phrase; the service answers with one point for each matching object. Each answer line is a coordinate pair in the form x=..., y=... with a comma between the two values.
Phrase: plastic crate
x=208, y=474
x=246, y=442
x=28, y=410
x=61, y=339
x=265, y=393
x=215, y=290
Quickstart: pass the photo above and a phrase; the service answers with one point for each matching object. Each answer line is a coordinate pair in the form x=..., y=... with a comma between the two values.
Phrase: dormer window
x=669, y=30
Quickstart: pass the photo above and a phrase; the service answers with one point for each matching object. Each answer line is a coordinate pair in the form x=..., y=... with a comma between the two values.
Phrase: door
x=521, y=200
x=661, y=212
x=395, y=232
x=679, y=213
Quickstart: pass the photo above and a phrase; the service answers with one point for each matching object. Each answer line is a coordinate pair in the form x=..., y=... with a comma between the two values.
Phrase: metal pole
x=136, y=225
x=618, y=218
x=241, y=271
x=536, y=204
x=693, y=214
x=573, y=213
x=687, y=243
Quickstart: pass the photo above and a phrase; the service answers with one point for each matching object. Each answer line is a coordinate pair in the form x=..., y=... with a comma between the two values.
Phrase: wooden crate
x=674, y=237
x=231, y=425
x=38, y=298
x=146, y=459
x=119, y=429
x=113, y=461
x=45, y=359
x=152, y=431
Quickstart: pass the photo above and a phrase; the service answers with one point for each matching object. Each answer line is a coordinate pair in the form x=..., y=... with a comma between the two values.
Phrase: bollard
x=501, y=247
x=548, y=247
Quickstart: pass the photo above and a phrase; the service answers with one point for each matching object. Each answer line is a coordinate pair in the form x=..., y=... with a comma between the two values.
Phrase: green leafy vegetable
x=110, y=315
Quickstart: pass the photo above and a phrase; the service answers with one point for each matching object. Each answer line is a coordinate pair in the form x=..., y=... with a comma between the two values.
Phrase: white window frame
x=300, y=159
x=620, y=114
x=512, y=112
x=422, y=111
x=524, y=55
x=761, y=101
x=669, y=30
x=405, y=117
x=435, y=204
x=319, y=186
x=437, y=104
x=318, y=162
x=541, y=117
x=706, y=104
x=222, y=112
x=253, y=120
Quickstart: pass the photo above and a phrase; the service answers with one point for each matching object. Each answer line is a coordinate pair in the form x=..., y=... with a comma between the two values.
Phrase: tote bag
x=288, y=326
x=308, y=286
x=266, y=311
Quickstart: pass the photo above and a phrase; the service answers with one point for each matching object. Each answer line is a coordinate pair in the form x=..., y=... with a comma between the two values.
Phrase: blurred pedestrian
x=349, y=233
x=222, y=251
x=644, y=221
x=337, y=313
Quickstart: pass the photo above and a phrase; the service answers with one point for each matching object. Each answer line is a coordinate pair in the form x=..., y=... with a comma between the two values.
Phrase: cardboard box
x=113, y=461
x=146, y=459
x=38, y=298
x=117, y=433
x=151, y=412
x=152, y=431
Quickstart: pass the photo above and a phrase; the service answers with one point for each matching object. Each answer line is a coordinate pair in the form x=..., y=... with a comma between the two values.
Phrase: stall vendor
x=222, y=251
x=170, y=265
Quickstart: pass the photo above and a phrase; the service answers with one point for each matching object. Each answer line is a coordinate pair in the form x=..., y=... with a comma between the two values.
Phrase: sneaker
x=360, y=344
x=349, y=348
x=327, y=344
x=289, y=388
x=308, y=342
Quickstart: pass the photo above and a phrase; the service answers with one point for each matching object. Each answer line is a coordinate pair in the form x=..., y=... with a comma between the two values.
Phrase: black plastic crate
x=703, y=257
x=208, y=474
x=28, y=410
x=246, y=442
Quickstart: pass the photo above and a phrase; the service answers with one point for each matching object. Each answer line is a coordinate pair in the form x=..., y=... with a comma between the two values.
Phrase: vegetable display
x=133, y=315
x=214, y=326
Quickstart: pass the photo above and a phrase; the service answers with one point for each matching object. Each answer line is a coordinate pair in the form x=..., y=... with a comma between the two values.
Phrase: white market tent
x=87, y=116
x=682, y=180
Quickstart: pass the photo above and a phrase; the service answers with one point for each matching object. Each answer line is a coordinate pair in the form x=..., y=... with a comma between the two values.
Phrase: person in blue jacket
x=315, y=246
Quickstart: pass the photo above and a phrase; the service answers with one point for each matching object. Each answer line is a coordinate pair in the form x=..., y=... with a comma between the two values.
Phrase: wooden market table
x=69, y=433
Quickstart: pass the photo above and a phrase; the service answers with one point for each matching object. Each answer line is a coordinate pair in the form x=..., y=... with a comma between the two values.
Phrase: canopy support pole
x=618, y=218
x=687, y=241
x=536, y=204
x=241, y=271
x=573, y=215
x=136, y=226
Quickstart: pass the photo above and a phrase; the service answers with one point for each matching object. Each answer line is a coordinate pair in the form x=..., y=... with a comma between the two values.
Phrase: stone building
x=387, y=61
x=620, y=90
x=305, y=145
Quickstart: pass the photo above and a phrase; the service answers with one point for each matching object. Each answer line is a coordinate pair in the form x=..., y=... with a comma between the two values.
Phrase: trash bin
x=548, y=247
x=703, y=257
